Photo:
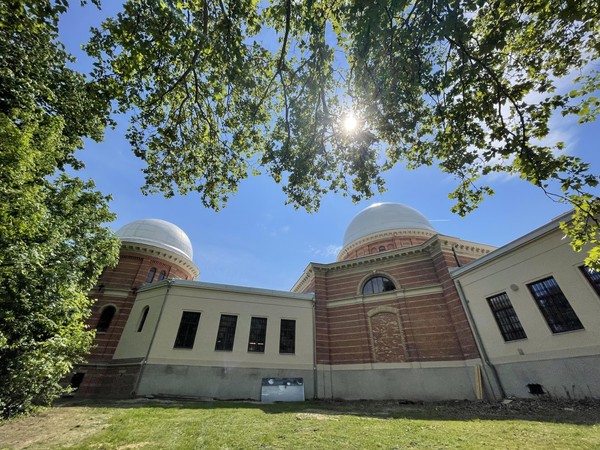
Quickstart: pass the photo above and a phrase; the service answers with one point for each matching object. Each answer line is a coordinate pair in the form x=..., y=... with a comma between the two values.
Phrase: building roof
x=383, y=217
x=157, y=233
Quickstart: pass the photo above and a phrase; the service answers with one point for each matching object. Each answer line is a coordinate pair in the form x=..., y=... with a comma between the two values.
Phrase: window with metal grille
x=378, y=284
x=258, y=333
x=162, y=275
x=506, y=317
x=554, y=306
x=106, y=318
x=226, y=333
x=151, y=274
x=287, y=336
x=593, y=276
x=143, y=318
x=186, y=334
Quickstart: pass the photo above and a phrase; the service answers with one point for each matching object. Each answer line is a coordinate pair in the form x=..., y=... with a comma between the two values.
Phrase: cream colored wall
x=547, y=256
x=134, y=344
x=211, y=303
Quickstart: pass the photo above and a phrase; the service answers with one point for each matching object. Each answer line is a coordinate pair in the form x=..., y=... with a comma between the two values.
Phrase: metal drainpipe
x=478, y=340
x=144, y=362
x=315, y=374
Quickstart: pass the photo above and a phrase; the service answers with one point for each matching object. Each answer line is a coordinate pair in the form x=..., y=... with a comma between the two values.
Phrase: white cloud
x=329, y=251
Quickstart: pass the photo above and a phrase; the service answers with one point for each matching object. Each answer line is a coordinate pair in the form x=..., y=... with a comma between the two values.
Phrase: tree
x=468, y=85
x=53, y=244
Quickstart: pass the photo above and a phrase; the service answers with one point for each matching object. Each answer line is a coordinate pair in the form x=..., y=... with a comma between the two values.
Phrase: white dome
x=158, y=233
x=383, y=217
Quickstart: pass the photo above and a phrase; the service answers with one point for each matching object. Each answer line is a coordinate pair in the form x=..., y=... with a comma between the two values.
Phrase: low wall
x=574, y=378
x=223, y=383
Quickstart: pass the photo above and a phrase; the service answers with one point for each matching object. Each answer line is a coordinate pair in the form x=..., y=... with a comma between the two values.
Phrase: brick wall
x=385, y=244
x=397, y=326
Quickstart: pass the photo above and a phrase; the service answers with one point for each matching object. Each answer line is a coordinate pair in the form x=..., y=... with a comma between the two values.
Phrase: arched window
x=151, y=274
x=382, y=248
x=162, y=275
x=143, y=318
x=106, y=318
x=378, y=284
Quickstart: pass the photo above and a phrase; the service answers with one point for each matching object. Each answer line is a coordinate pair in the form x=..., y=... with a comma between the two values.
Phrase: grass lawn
x=152, y=424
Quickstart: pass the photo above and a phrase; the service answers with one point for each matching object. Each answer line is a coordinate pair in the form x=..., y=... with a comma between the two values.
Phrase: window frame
x=554, y=306
x=162, y=275
x=592, y=277
x=143, y=317
x=287, y=337
x=506, y=317
x=226, y=333
x=151, y=275
x=369, y=284
x=257, y=337
x=104, y=323
x=187, y=330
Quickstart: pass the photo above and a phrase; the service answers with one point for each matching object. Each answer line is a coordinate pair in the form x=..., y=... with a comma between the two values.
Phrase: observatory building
x=404, y=313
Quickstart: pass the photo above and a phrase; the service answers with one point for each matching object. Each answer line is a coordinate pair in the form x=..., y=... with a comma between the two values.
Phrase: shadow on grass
x=584, y=412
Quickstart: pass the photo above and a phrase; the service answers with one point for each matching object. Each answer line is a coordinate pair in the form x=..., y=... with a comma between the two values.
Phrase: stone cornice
x=386, y=296
x=172, y=257
x=114, y=292
x=387, y=234
x=435, y=244
x=304, y=280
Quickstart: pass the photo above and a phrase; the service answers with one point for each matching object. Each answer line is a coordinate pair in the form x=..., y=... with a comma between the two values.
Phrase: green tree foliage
x=219, y=88
x=52, y=242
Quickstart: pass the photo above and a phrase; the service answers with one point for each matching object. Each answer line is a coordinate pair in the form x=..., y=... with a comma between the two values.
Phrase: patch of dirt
x=62, y=427
x=316, y=416
x=543, y=409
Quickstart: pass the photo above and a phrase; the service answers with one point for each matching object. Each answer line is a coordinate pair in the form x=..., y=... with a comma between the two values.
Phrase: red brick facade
x=421, y=320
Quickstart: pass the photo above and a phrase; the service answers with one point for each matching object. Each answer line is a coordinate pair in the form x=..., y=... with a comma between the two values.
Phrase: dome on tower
x=157, y=233
x=384, y=217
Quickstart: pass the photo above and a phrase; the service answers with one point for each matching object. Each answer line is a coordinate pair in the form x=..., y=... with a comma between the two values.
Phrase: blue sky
x=256, y=240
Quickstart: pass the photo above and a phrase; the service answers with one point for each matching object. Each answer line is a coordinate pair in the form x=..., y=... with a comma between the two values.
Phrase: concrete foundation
x=571, y=378
x=223, y=383
x=410, y=383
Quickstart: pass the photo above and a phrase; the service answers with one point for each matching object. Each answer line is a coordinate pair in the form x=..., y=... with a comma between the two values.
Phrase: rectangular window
x=506, y=317
x=554, y=306
x=593, y=276
x=186, y=335
x=226, y=333
x=287, y=336
x=258, y=333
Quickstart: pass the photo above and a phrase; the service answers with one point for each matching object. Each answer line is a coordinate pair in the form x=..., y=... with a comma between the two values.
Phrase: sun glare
x=350, y=123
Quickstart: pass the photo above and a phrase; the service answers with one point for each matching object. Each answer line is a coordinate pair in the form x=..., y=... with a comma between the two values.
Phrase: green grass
x=314, y=425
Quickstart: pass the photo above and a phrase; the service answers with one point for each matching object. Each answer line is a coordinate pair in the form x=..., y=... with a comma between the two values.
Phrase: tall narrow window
x=506, y=317
x=186, y=335
x=76, y=380
x=554, y=306
x=593, y=276
x=162, y=275
x=378, y=284
x=106, y=318
x=151, y=274
x=226, y=333
x=287, y=336
x=258, y=333
x=143, y=318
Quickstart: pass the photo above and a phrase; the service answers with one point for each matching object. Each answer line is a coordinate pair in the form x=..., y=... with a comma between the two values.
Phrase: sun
x=350, y=122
